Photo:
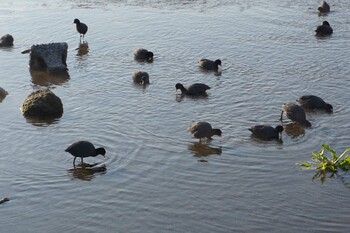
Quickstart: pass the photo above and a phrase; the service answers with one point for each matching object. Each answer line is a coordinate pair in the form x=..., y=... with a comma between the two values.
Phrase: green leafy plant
x=327, y=161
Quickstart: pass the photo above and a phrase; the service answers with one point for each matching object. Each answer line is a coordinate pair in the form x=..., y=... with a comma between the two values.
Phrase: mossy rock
x=42, y=104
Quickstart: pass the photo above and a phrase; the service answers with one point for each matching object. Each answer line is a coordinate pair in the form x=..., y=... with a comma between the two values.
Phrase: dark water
x=151, y=180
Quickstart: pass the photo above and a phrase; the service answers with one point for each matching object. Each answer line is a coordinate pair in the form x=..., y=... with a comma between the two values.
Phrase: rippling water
x=151, y=180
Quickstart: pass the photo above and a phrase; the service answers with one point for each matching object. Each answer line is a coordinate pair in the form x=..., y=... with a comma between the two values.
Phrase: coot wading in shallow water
x=81, y=28
x=324, y=30
x=324, y=7
x=266, y=132
x=295, y=113
x=207, y=64
x=140, y=77
x=84, y=149
x=202, y=130
x=141, y=54
x=196, y=89
x=312, y=102
x=6, y=41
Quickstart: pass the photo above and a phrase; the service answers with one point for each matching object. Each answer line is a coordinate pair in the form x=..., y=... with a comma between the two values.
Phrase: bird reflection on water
x=262, y=140
x=83, y=48
x=180, y=96
x=293, y=129
x=199, y=149
x=85, y=171
x=36, y=121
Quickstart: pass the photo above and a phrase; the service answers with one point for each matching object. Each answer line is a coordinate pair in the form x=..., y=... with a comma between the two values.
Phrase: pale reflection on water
x=87, y=171
x=45, y=79
x=293, y=129
x=200, y=149
x=83, y=48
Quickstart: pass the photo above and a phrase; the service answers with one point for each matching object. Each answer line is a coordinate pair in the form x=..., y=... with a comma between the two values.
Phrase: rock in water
x=49, y=57
x=42, y=104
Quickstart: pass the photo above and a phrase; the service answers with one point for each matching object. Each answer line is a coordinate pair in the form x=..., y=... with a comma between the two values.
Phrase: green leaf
x=305, y=164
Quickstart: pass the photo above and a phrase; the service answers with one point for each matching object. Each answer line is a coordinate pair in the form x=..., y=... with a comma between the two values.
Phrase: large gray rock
x=49, y=57
x=42, y=104
x=6, y=41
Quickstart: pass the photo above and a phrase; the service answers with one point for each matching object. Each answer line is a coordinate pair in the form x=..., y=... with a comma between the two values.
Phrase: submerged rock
x=6, y=41
x=42, y=104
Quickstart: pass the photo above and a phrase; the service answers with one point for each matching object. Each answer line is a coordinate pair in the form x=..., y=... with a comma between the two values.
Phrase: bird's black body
x=312, y=102
x=207, y=64
x=82, y=28
x=266, y=132
x=84, y=149
x=141, y=54
x=324, y=30
x=196, y=89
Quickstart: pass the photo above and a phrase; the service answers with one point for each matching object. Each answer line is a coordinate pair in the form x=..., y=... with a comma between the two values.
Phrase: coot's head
x=279, y=128
x=101, y=151
x=329, y=108
x=218, y=62
x=217, y=132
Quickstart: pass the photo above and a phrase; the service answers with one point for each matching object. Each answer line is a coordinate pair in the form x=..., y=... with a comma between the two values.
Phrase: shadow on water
x=36, y=121
x=217, y=73
x=7, y=48
x=42, y=78
x=322, y=176
x=199, y=149
x=144, y=60
x=322, y=37
x=293, y=129
x=180, y=96
x=323, y=14
x=87, y=171
x=262, y=140
x=142, y=87
x=82, y=49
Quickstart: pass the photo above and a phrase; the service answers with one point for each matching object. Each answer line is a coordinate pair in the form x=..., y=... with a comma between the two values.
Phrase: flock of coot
x=203, y=130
